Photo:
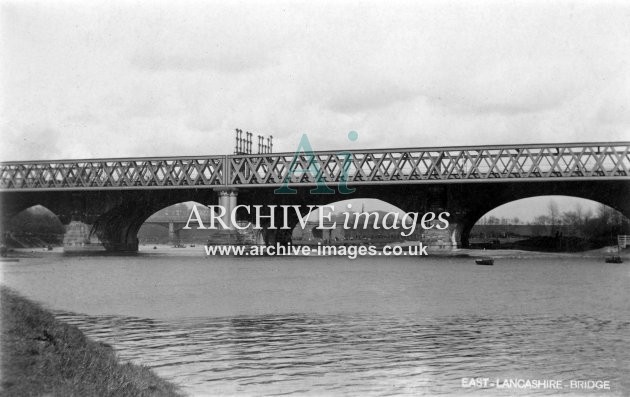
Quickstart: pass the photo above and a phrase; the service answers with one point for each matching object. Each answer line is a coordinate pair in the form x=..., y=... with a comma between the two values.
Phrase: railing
x=580, y=161
x=623, y=240
x=113, y=173
x=587, y=161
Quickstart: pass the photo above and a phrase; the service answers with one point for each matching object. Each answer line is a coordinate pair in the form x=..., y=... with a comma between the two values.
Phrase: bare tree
x=554, y=212
x=579, y=211
x=493, y=220
x=542, y=220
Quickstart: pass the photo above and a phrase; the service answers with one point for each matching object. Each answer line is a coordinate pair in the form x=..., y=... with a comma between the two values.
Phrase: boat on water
x=484, y=261
x=614, y=259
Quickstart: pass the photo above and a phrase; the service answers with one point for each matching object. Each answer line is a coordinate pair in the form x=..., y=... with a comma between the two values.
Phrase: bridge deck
x=574, y=161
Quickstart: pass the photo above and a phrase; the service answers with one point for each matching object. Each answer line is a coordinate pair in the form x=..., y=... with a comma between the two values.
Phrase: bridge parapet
x=578, y=161
x=113, y=173
x=426, y=165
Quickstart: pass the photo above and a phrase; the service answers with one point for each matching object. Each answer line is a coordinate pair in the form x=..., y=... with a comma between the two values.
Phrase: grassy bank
x=43, y=356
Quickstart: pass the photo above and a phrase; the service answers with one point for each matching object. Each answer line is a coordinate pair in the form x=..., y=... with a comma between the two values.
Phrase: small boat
x=614, y=259
x=484, y=261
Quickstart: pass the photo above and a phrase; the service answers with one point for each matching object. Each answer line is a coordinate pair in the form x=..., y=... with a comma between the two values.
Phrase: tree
x=571, y=218
x=542, y=220
x=493, y=220
x=579, y=211
x=554, y=212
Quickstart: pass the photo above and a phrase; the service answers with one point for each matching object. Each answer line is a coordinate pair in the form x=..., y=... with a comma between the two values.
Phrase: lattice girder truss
x=381, y=166
x=418, y=165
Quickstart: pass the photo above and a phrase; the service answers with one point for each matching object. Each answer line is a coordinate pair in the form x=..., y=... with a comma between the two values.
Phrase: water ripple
x=372, y=355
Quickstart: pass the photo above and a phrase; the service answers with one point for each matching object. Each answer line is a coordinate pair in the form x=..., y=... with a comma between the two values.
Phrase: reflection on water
x=330, y=326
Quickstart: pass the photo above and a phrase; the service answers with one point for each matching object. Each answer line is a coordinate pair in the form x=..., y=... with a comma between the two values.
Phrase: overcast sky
x=123, y=78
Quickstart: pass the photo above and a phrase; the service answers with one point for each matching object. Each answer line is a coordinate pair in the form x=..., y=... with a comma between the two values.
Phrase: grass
x=43, y=356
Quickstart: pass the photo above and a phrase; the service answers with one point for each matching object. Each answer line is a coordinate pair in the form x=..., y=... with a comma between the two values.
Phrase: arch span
x=115, y=215
x=118, y=225
x=166, y=226
x=553, y=214
x=35, y=226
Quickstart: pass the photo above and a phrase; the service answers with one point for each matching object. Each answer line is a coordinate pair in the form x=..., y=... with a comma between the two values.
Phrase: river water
x=335, y=326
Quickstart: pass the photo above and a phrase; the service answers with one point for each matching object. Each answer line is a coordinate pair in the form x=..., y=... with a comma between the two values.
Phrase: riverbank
x=522, y=254
x=43, y=356
x=167, y=250
x=525, y=254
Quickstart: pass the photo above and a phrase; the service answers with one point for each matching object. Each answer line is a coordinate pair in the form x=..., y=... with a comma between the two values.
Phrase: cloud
x=366, y=96
x=217, y=61
x=163, y=79
x=30, y=141
x=518, y=85
x=615, y=103
x=85, y=118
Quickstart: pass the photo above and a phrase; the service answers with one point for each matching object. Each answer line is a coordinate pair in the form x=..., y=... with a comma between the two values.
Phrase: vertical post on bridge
x=232, y=203
x=224, y=202
x=228, y=200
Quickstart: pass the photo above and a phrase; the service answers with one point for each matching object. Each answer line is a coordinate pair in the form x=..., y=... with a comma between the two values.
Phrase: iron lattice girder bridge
x=579, y=161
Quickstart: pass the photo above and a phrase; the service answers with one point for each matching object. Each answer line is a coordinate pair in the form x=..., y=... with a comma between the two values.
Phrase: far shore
x=523, y=254
x=163, y=249
x=505, y=253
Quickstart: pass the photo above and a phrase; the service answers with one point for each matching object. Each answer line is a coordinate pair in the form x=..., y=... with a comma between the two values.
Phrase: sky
x=99, y=79
x=138, y=78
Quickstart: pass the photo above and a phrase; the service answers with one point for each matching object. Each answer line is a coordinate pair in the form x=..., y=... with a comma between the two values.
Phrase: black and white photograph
x=314, y=198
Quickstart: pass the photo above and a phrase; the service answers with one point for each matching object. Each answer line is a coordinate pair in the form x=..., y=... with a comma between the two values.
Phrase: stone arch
x=117, y=228
x=19, y=229
x=471, y=220
x=173, y=219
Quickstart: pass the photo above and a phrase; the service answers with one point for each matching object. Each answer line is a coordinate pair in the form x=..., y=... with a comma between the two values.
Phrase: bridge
x=115, y=196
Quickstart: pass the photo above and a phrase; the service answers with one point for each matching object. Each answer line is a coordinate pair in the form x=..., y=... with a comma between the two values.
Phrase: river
x=335, y=326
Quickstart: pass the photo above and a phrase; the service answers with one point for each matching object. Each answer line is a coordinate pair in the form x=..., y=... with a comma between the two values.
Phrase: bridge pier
x=173, y=234
x=118, y=236
x=275, y=236
x=79, y=236
x=122, y=246
x=441, y=239
x=228, y=200
x=455, y=230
